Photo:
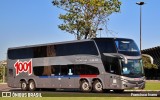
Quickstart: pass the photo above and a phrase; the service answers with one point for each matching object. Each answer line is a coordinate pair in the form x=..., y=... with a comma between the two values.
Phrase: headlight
x=124, y=80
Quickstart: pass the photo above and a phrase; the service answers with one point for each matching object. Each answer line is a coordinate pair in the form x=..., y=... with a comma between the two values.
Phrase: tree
x=84, y=17
x=147, y=63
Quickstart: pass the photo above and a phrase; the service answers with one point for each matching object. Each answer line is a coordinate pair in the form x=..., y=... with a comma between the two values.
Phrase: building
x=155, y=53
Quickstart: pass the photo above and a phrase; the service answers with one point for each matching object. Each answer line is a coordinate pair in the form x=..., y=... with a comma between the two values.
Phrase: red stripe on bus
x=88, y=75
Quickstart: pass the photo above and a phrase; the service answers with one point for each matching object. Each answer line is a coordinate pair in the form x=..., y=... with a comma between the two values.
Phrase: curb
x=3, y=83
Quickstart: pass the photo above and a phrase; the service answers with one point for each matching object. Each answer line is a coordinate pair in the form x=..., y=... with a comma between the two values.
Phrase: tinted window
x=49, y=51
x=112, y=65
x=65, y=70
x=76, y=48
x=106, y=45
x=86, y=70
x=38, y=71
x=34, y=52
x=20, y=53
x=55, y=70
x=46, y=70
x=127, y=47
x=44, y=51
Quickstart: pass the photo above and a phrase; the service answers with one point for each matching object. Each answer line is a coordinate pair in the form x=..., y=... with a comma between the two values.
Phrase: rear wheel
x=24, y=86
x=84, y=86
x=97, y=86
x=32, y=85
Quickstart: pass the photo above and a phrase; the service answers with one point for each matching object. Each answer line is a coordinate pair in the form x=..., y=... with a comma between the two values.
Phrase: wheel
x=84, y=86
x=97, y=86
x=118, y=91
x=24, y=86
x=32, y=85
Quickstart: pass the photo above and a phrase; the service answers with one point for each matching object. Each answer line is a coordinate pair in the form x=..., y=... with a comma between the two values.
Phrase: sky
x=30, y=22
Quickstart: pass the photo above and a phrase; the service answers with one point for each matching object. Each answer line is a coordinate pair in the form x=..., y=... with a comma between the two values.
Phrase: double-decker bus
x=96, y=64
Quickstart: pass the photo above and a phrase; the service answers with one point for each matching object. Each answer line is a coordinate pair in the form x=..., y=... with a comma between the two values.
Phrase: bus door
x=55, y=76
x=114, y=72
x=67, y=76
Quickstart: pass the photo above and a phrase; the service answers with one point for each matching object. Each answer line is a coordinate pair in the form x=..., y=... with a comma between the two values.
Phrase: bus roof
x=64, y=42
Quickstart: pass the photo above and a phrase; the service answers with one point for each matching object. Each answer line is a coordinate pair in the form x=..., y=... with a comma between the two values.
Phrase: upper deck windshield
x=127, y=47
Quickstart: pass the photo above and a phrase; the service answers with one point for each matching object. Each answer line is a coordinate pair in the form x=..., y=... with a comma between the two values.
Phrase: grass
x=152, y=85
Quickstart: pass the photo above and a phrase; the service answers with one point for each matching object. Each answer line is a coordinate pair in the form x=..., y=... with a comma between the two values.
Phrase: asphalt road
x=77, y=93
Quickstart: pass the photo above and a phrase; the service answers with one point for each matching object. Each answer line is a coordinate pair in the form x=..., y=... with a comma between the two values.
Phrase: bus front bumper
x=133, y=85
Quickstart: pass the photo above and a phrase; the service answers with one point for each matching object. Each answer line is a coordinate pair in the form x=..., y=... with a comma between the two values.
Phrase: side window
x=112, y=65
x=23, y=53
x=39, y=51
x=44, y=51
x=55, y=69
x=34, y=52
x=79, y=69
x=92, y=70
x=64, y=49
x=87, y=48
x=38, y=70
x=64, y=70
x=106, y=46
x=67, y=70
x=51, y=51
x=46, y=70
x=10, y=72
x=86, y=70
x=76, y=48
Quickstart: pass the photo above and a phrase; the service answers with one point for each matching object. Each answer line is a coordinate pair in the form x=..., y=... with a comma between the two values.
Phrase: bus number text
x=23, y=67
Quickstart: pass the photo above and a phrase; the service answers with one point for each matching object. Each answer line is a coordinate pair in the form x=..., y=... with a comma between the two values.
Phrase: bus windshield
x=126, y=45
x=133, y=68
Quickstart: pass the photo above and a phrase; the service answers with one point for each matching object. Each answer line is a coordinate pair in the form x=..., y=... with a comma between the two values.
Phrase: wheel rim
x=31, y=85
x=98, y=86
x=23, y=85
x=85, y=86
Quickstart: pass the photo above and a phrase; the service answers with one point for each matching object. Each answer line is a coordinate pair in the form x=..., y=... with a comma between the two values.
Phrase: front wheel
x=97, y=86
x=32, y=85
x=84, y=86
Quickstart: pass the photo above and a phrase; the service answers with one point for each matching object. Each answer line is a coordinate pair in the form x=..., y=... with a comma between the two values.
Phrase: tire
x=85, y=87
x=97, y=86
x=118, y=91
x=24, y=86
x=32, y=85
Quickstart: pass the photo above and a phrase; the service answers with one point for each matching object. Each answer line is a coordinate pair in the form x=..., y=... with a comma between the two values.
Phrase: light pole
x=100, y=31
x=140, y=4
